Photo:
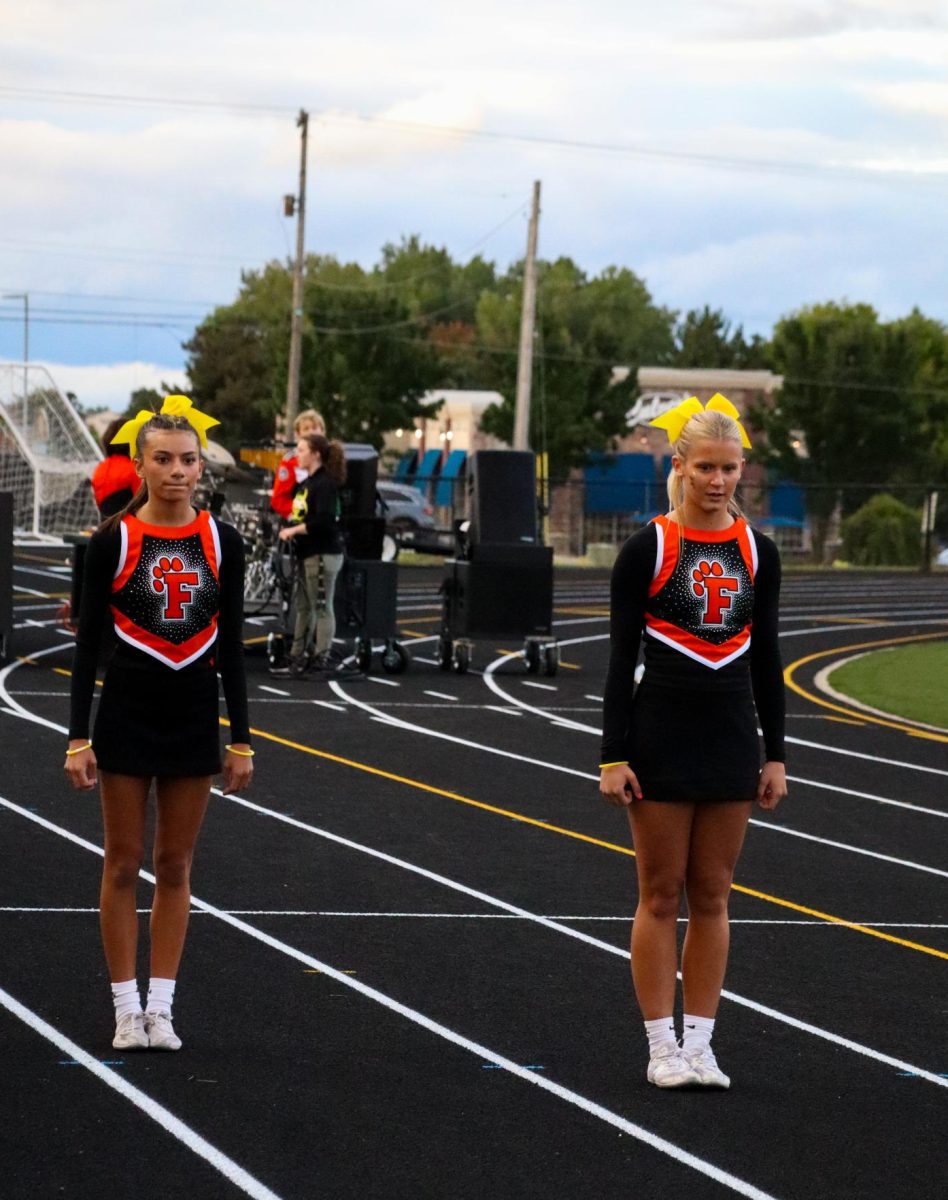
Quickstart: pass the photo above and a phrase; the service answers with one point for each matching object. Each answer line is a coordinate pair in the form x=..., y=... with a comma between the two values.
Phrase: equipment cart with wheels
x=500, y=582
x=499, y=592
x=366, y=595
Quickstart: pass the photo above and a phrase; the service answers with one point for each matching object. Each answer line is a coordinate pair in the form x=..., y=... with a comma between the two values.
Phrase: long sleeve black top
x=631, y=578
x=227, y=651
x=315, y=505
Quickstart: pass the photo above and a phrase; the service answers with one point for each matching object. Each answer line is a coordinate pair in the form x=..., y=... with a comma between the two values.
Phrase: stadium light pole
x=25, y=297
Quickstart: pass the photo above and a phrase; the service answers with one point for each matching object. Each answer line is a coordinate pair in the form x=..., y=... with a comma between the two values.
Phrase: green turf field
x=911, y=681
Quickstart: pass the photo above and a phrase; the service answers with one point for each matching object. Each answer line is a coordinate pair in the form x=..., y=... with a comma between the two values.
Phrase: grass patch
x=906, y=680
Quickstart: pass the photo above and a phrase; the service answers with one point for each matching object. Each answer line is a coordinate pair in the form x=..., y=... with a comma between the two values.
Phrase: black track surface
x=314, y=1088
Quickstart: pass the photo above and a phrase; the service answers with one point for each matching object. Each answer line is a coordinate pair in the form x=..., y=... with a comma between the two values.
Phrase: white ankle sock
x=160, y=995
x=125, y=997
x=660, y=1032
x=697, y=1032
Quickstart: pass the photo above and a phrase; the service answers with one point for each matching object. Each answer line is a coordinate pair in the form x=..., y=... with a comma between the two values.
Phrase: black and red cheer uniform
x=705, y=606
x=175, y=594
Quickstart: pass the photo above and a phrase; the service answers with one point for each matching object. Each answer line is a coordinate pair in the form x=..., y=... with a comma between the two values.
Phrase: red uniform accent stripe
x=708, y=650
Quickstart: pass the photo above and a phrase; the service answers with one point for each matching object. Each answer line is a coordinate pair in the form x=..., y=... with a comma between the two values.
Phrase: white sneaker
x=705, y=1066
x=130, y=1032
x=668, y=1068
x=161, y=1034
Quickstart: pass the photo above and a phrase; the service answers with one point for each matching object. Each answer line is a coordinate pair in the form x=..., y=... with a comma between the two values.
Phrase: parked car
x=406, y=510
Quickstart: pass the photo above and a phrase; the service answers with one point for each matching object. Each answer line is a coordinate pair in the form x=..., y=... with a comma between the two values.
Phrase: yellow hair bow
x=174, y=406
x=673, y=422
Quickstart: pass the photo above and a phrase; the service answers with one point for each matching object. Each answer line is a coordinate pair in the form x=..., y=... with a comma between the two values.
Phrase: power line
x=826, y=170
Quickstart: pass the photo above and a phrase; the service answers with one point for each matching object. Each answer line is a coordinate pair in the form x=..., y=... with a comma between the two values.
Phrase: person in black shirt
x=315, y=534
x=700, y=589
x=172, y=579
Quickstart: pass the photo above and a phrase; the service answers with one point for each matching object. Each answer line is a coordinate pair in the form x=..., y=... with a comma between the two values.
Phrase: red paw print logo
x=701, y=575
x=164, y=566
x=715, y=588
x=178, y=585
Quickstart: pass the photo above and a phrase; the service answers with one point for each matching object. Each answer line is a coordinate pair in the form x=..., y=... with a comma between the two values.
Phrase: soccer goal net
x=46, y=454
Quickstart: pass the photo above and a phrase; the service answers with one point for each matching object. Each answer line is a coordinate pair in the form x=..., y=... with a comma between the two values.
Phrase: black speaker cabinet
x=357, y=494
x=364, y=536
x=502, y=497
x=6, y=574
x=366, y=599
x=502, y=591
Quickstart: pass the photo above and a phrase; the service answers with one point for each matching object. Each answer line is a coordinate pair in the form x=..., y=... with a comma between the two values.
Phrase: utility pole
x=521, y=437
x=296, y=204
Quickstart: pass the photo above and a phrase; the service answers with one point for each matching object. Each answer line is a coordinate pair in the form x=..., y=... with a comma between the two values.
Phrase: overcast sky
x=755, y=157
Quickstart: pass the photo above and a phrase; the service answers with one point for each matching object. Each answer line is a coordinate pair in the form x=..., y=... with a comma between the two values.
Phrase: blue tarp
x=450, y=473
x=786, y=505
x=624, y=483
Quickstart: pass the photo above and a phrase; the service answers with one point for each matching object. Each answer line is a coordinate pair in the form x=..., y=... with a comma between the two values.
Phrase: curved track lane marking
x=508, y=813
x=821, y=683
x=911, y=730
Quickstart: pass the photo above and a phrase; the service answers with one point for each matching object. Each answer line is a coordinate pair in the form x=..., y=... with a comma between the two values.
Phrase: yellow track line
x=570, y=833
x=581, y=837
x=858, y=712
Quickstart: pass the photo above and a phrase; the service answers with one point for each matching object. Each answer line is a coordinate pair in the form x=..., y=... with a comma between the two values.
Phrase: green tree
x=849, y=412
x=704, y=338
x=585, y=328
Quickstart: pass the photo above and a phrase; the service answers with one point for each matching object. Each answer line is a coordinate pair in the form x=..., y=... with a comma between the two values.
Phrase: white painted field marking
x=624, y=919
x=151, y=1108
x=378, y=679
x=439, y=695
x=329, y=704
x=265, y=687
x=832, y=787
x=491, y=901
x=484, y=1053
x=546, y=687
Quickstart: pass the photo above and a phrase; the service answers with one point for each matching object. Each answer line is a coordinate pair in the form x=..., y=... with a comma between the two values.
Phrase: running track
x=407, y=971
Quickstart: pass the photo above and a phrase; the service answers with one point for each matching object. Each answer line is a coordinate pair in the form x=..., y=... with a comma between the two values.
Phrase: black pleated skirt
x=694, y=746
x=158, y=722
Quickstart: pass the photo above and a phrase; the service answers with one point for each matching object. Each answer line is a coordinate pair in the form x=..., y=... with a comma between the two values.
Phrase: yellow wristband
x=242, y=753
x=79, y=749
x=624, y=763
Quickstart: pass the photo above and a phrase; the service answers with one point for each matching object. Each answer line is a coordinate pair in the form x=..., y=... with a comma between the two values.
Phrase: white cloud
x=112, y=385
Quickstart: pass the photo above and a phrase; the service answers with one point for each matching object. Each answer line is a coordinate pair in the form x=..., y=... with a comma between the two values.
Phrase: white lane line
x=810, y=837
x=598, y=699
x=387, y=682
x=575, y=725
x=439, y=695
x=832, y=787
x=625, y=919
x=485, y=898
x=508, y=712
x=546, y=687
x=265, y=687
x=484, y=1053
x=329, y=704
x=151, y=1108
x=377, y=715
x=544, y=713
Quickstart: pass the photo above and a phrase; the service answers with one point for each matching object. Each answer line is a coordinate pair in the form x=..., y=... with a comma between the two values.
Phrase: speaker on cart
x=357, y=494
x=6, y=573
x=364, y=536
x=502, y=497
